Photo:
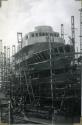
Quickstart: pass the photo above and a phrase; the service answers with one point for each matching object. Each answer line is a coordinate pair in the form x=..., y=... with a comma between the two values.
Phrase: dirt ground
x=79, y=123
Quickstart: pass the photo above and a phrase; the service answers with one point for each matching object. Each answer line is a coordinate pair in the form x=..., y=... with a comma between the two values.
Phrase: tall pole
x=13, y=54
x=5, y=65
x=51, y=77
x=19, y=38
x=81, y=31
x=13, y=58
x=0, y=46
x=0, y=62
x=9, y=112
x=81, y=48
x=13, y=50
x=80, y=27
x=62, y=31
x=8, y=76
x=73, y=32
x=0, y=75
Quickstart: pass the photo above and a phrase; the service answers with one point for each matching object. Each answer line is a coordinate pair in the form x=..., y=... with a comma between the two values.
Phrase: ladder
x=29, y=87
x=62, y=101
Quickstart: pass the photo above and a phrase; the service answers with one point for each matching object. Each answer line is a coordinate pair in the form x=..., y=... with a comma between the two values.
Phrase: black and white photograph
x=40, y=62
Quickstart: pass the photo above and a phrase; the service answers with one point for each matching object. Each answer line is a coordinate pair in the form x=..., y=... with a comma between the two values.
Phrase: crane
x=1, y=2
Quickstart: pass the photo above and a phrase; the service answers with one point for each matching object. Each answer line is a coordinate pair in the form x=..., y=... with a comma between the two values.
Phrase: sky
x=24, y=15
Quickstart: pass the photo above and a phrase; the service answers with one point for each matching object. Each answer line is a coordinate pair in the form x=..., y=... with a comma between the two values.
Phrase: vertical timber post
x=13, y=58
x=51, y=77
x=19, y=38
x=62, y=31
x=73, y=32
x=0, y=75
x=81, y=53
x=81, y=49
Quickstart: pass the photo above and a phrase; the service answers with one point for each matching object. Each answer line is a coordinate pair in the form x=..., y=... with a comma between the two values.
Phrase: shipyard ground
x=60, y=120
